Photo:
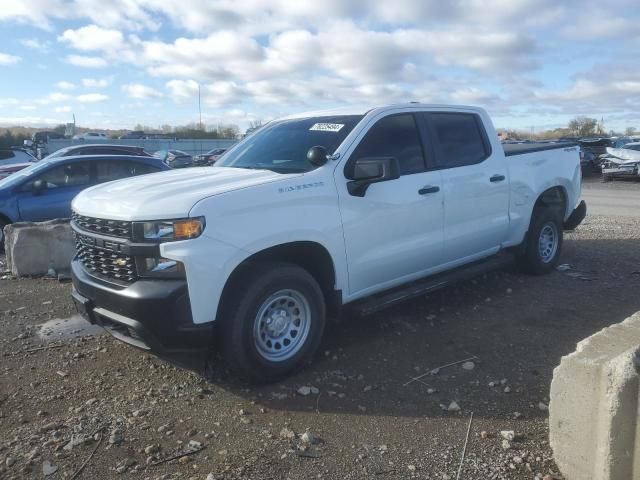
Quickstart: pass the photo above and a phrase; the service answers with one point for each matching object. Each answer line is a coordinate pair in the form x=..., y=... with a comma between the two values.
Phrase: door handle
x=428, y=189
x=497, y=178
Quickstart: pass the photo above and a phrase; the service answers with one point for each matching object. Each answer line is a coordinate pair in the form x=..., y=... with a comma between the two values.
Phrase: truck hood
x=166, y=195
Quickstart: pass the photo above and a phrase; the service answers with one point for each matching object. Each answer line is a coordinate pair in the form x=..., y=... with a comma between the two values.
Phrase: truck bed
x=530, y=147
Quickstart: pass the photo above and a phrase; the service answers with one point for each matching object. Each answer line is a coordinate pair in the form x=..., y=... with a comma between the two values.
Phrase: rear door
x=394, y=232
x=475, y=184
x=64, y=181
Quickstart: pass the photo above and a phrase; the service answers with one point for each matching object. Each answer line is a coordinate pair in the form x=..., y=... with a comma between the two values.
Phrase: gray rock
x=287, y=433
x=48, y=468
x=195, y=445
x=116, y=436
x=468, y=365
x=508, y=435
x=453, y=407
x=310, y=438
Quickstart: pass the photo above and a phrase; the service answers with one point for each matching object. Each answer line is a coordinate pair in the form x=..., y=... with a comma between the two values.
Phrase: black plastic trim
x=512, y=149
x=149, y=314
x=577, y=216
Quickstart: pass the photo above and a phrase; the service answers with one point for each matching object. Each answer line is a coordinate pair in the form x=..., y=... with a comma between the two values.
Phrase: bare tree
x=583, y=126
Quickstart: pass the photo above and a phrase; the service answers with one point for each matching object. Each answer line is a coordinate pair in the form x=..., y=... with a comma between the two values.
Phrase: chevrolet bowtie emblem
x=121, y=262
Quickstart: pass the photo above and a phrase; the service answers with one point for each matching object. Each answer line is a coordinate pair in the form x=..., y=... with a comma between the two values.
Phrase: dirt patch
x=136, y=411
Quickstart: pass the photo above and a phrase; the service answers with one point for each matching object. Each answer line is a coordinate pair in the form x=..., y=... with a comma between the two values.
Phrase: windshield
x=282, y=146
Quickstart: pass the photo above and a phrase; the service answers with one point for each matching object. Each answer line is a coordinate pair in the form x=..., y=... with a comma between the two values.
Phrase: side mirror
x=38, y=186
x=365, y=171
x=317, y=155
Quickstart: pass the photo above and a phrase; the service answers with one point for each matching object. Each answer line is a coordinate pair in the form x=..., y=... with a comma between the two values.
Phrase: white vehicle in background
x=90, y=136
x=311, y=213
x=621, y=162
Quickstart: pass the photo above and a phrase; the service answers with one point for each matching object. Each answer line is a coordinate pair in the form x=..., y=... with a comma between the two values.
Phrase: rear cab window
x=459, y=138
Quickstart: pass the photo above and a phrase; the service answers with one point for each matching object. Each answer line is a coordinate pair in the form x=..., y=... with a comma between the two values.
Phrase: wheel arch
x=554, y=197
x=310, y=255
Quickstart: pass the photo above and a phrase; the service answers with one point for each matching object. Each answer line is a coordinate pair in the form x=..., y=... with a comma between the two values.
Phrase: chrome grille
x=113, y=228
x=103, y=262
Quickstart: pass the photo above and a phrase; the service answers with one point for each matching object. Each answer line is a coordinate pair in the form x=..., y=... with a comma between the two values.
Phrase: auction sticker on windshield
x=327, y=127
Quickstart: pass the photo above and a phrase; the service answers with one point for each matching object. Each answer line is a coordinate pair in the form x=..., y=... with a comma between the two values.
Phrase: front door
x=395, y=231
x=62, y=183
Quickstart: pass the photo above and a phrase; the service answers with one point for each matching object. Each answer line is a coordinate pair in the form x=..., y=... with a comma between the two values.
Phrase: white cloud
x=28, y=107
x=92, y=37
x=92, y=97
x=140, y=92
x=182, y=90
x=64, y=85
x=63, y=109
x=55, y=97
x=87, y=62
x=6, y=59
x=35, y=44
x=96, y=82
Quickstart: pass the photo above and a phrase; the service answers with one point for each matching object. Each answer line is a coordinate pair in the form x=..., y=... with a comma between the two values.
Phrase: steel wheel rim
x=282, y=325
x=548, y=242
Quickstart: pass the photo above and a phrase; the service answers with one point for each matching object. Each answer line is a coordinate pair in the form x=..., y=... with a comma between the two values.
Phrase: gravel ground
x=88, y=398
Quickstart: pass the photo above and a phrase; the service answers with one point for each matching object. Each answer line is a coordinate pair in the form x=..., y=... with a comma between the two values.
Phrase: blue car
x=44, y=190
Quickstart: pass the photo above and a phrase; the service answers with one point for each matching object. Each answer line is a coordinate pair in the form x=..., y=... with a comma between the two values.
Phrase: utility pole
x=199, y=107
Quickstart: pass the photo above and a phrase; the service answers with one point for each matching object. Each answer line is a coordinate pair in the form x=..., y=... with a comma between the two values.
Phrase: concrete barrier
x=33, y=248
x=594, y=408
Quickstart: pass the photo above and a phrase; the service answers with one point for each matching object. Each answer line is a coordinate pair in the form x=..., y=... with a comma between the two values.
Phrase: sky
x=533, y=64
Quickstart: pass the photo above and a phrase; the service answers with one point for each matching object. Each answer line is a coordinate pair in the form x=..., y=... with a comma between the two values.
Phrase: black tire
x=606, y=178
x=530, y=258
x=249, y=293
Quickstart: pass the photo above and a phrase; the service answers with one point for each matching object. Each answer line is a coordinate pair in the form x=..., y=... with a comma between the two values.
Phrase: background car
x=133, y=135
x=175, y=158
x=13, y=160
x=44, y=190
x=209, y=158
x=90, y=136
x=100, y=149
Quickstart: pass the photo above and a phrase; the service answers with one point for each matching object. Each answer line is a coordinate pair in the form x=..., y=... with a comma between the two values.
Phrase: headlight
x=160, y=268
x=171, y=230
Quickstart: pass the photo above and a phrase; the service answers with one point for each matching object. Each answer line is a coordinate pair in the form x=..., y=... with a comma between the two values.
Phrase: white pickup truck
x=308, y=214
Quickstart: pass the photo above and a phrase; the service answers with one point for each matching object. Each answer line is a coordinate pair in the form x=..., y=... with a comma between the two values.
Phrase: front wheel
x=273, y=322
x=541, y=249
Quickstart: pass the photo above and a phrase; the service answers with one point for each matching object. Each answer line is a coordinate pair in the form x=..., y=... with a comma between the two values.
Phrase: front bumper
x=153, y=315
x=622, y=171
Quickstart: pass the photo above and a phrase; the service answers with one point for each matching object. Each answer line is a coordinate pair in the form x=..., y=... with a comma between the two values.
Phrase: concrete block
x=595, y=410
x=33, y=248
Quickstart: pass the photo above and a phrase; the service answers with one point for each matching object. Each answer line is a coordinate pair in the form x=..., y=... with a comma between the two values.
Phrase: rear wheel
x=541, y=249
x=273, y=322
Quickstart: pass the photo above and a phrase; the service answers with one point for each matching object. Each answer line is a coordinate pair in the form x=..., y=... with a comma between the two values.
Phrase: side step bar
x=430, y=284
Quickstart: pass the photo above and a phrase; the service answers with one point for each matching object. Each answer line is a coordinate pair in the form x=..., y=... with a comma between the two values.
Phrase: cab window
x=394, y=136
